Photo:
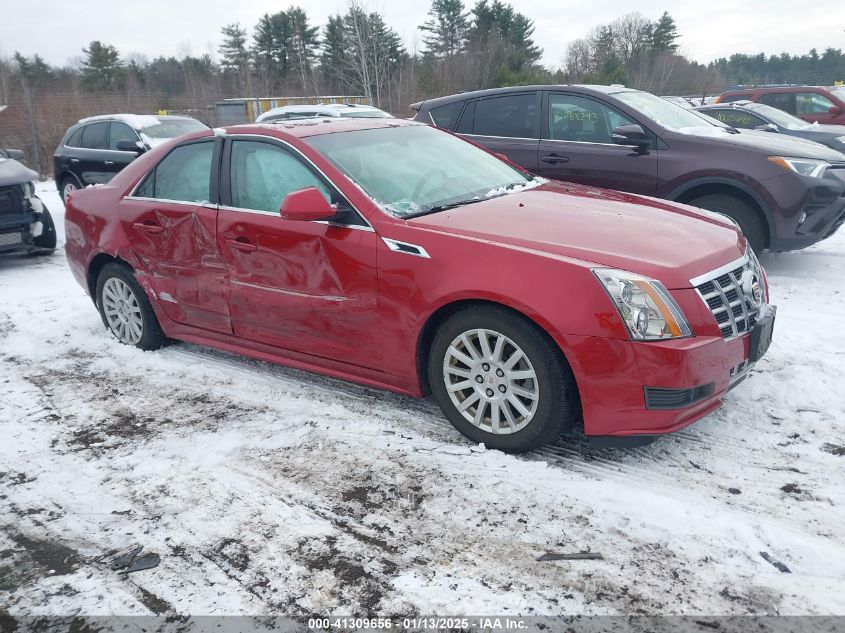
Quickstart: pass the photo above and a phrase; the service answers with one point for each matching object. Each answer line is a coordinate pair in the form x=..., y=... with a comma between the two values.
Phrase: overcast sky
x=59, y=29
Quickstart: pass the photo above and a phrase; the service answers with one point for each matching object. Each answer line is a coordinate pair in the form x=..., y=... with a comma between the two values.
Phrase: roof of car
x=728, y=104
x=303, y=128
x=135, y=121
x=588, y=88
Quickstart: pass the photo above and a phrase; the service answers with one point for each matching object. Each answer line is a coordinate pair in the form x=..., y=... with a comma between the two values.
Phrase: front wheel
x=499, y=380
x=125, y=309
x=750, y=222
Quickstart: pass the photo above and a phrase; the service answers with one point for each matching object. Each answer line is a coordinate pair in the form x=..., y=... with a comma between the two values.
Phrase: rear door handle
x=148, y=226
x=241, y=244
x=74, y=160
x=108, y=162
x=554, y=159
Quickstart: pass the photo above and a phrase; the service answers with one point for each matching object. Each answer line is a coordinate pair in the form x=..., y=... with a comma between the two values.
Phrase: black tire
x=152, y=337
x=46, y=242
x=748, y=218
x=66, y=182
x=556, y=407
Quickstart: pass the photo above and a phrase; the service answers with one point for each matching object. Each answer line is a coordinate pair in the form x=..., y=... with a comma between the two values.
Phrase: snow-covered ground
x=268, y=490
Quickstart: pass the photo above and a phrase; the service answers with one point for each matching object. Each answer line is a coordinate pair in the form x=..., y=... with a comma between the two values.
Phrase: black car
x=784, y=193
x=26, y=225
x=96, y=148
x=759, y=116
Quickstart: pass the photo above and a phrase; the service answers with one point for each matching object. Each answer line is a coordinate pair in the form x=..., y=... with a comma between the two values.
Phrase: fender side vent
x=404, y=247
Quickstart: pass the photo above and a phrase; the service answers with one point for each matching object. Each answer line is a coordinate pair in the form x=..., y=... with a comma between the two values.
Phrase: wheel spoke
x=514, y=359
x=517, y=404
x=498, y=348
x=469, y=401
x=484, y=343
x=479, y=413
x=509, y=415
x=469, y=347
x=459, y=355
x=519, y=391
x=495, y=409
x=460, y=386
x=524, y=374
x=457, y=371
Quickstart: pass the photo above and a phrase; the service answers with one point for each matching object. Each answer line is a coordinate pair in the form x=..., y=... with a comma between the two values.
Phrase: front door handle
x=108, y=162
x=74, y=160
x=241, y=244
x=554, y=159
x=148, y=226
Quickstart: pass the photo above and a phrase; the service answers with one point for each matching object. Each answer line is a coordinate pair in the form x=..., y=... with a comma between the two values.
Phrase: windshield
x=414, y=168
x=672, y=117
x=784, y=119
x=365, y=114
x=838, y=91
x=171, y=128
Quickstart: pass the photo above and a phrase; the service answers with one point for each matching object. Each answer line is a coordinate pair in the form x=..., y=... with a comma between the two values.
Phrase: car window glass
x=812, y=103
x=75, y=139
x=781, y=100
x=96, y=136
x=263, y=174
x=185, y=174
x=120, y=132
x=465, y=124
x=736, y=118
x=445, y=115
x=509, y=115
x=575, y=118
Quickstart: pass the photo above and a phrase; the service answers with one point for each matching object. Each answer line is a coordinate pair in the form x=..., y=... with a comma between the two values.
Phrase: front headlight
x=647, y=309
x=804, y=166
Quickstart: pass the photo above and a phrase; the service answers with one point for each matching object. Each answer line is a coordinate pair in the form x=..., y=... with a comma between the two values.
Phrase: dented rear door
x=171, y=222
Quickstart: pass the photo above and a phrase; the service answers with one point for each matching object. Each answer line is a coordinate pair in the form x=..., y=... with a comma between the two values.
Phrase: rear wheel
x=499, y=380
x=69, y=184
x=125, y=309
x=749, y=220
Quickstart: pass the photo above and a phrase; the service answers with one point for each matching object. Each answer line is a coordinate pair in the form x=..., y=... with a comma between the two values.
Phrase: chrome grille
x=721, y=290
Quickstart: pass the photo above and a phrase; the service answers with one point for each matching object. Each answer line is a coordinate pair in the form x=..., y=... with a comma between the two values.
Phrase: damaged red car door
x=309, y=287
x=173, y=227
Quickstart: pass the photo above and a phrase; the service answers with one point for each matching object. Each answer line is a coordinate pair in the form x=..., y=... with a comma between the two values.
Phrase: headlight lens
x=804, y=166
x=645, y=306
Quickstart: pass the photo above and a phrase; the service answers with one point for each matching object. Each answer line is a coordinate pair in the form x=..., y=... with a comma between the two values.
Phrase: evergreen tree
x=302, y=44
x=664, y=35
x=333, y=52
x=234, y=56
x=447, y=29
x=101, y=67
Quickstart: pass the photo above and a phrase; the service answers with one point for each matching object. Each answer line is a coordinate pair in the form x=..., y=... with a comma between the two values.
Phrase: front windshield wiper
x=443, y=207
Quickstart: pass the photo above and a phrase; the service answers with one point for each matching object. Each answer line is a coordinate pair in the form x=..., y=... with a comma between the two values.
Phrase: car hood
x=13, y=173
x=779, y=145
x=666, y=241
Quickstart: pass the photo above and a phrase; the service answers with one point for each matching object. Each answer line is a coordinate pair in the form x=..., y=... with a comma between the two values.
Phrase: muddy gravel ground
x=266, y=490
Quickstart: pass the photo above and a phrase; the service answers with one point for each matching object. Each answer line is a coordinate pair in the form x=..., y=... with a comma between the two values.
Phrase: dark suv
x=784, y=193
x=96, y=148
x=814, y=104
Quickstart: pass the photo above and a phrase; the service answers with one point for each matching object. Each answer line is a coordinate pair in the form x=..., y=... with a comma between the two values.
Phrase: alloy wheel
x=491, y=381
x=123, y=314
x=67, y=189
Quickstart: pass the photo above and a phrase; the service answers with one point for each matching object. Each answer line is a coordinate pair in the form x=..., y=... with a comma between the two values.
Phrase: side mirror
x=14, y=154
x=767, y=127
x=306, y=205
x=130, y=146
x=631, y=135
x=835, y=110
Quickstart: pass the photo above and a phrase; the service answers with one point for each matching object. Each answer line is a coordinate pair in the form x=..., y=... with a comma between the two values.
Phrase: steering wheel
x=426, y=177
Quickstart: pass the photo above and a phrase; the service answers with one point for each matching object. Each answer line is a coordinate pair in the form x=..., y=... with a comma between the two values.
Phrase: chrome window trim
x=307, y=160
x=516, y=138
x=357, y=227
x=721, y=270
x=396, y=247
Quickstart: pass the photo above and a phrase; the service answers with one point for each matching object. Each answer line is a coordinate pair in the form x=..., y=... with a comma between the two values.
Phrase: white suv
x=345, y=110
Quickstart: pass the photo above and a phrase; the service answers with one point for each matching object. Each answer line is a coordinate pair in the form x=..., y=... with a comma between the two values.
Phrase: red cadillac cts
x=396, y=255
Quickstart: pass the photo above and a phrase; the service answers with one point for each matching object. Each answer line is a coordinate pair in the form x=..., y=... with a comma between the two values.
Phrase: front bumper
x=819, y=201
x=16, y=234
x=613, y=375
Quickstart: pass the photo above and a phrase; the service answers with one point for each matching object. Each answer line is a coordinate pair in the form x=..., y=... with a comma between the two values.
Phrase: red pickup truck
x=811, y=103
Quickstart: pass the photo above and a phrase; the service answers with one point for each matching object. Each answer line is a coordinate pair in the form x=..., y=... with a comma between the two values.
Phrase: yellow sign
x=839, y=83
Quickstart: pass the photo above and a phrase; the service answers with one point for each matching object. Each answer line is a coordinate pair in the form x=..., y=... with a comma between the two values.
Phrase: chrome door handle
x=241, y=244
x=148, y=227
x=108, y=162
x=74, y=160
x=554, y=159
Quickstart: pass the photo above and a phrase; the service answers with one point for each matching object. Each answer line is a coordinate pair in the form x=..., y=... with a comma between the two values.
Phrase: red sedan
x=399, y=256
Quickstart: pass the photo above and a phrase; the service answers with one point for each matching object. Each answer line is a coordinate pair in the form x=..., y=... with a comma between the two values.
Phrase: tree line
x=463, y=47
